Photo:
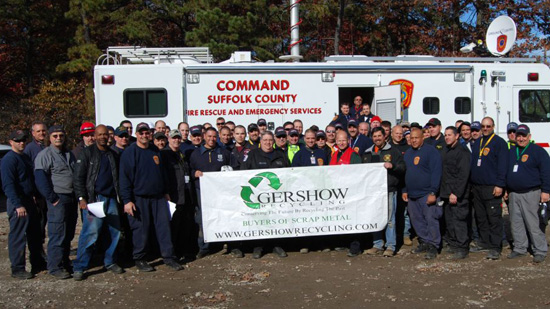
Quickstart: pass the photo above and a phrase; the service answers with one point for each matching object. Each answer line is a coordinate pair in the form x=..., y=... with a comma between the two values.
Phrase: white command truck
x=182, y=84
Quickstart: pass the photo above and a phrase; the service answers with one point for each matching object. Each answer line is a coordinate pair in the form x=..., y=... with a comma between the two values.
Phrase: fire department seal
x=524, y=158
x=416, y=160
x=156, y=159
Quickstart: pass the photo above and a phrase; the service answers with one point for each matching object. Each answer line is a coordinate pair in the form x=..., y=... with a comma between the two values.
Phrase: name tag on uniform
x=479, y=162
x=312, y=160
x=186, y=179
x=515, y=168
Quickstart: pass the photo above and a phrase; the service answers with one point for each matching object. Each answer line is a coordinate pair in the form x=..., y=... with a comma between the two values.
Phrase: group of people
x=454, y=183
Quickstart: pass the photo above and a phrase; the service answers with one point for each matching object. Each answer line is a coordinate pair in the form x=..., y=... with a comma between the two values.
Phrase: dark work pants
x=23, y=231
x=61, y=228
x=151, y=213
x=456, y=219
x=425, y=220
x=42, y=212
x=488, y=213
x=184, y=233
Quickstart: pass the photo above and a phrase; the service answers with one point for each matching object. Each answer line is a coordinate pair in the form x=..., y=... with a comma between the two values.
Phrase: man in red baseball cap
x=87, y=130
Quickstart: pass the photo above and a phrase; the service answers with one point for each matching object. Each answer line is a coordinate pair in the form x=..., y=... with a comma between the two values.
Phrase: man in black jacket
x=96, y=180
x=176, y=168
x=265, y=157
x=454, y=193
x=382, y=151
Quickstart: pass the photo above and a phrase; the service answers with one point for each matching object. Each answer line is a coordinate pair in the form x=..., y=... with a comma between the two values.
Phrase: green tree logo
x=246, y=191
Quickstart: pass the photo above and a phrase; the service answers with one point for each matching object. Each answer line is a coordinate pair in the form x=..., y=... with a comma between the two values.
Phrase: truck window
x=145, y=103
x=463, y=105
x=430, y=106
x=534, y=105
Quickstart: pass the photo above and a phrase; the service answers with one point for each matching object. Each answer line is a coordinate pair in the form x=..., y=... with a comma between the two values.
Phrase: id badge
x=479, y=162
x=186, y=179
x=515, y=168
x=312, y=160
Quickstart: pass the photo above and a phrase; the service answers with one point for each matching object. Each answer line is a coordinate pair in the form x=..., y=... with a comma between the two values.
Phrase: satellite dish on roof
x=501, y=35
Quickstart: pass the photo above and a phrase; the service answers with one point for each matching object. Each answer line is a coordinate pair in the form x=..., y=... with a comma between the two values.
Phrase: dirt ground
x=314, y=280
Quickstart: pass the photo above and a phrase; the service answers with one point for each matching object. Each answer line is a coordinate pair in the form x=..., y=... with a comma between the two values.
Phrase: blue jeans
x=91, y=229
x=61, y=227
x=390, y=228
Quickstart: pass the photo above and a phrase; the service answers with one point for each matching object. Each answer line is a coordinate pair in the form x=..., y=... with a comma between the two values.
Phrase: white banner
x=294, y=202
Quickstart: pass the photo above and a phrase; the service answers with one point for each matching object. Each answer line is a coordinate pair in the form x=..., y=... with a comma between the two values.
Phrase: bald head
x=101, y=135
x=342, y=139
x=417, y=138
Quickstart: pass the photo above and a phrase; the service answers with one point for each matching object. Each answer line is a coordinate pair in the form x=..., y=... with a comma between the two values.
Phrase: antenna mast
x=295, y=40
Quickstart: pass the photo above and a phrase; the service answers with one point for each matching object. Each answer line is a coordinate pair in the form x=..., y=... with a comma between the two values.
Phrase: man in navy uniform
x=207, y=158
x=144, y=193
x=528, y=184
x=310, y=155
x=358, y=142
x=18, y=184
x=489, y=163
x=422, y=180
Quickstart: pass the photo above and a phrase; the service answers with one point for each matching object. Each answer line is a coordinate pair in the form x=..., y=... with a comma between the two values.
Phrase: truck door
x=387, y=103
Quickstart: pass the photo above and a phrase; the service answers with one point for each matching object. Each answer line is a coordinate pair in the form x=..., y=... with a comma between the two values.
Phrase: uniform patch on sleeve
x=416, y=160
x=156, y=159
x=320, y=162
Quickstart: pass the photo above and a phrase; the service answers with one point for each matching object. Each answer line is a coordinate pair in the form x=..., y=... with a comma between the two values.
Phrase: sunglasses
x=18, y=140
x=144, y=132
x=511, y=132
x=288, y=129
x=58, y=135
x=281, y=136
x=220, y=123
x=486, y=127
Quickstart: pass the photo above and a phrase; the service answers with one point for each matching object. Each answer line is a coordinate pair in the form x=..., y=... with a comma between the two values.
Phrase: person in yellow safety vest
x=511, y=129
x=293, y=145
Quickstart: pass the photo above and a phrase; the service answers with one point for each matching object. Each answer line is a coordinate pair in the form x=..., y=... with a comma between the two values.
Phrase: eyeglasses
x=486, y=127
x=330, y=131
x=281, y=136
x=58, y=135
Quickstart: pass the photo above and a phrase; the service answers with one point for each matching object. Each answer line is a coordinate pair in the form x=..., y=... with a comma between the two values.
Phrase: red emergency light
x=108, y=79
x=533, y=77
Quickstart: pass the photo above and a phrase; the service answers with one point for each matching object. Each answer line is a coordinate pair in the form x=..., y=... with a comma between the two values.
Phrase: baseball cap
x=195, y=130
x=121, y=131
x=280, y=131
x=142, y=126
x=476, y=126
x=173, y=133
x=262, y=122
x=512, y=126
x=159, y=135
x=406, y=133
x=352, y=122
x=56, y=128
x=18, y=135
x=376, y=118
x=523, y=129
x=293, y=132
x=321, y=134
x=339, y=126
x=253, y=127
x=87, y=127
x=416, y=125
x=434, y=122
x=110, y=128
